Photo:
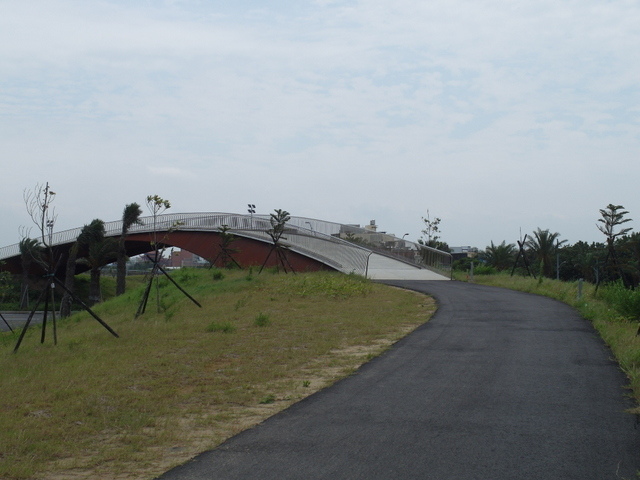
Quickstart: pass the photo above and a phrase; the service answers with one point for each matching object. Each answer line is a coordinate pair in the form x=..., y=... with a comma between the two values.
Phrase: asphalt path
x=17, y=320
x=498, y=385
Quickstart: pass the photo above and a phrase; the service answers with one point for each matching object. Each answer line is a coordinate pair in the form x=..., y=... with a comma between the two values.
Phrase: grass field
x=181, y=379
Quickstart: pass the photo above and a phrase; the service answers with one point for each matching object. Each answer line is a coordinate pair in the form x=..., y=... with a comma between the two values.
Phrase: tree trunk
x=24, y=296
x=121, y=272
x=69, y=282
x=24, y=287
x=94, y=286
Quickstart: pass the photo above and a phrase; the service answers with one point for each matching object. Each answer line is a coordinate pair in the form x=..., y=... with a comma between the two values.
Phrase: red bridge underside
x=247, y=252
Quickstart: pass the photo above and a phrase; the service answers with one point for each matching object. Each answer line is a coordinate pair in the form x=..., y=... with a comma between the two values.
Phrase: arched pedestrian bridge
x=311, y=245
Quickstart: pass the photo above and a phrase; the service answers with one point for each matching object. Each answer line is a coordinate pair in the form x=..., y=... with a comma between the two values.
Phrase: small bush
x=224, y=327
x=482, y=269
x=625, y=301
x=268, y=399
x=262, y=320
x=184, y=275
x=241, y=302
x=218, y=275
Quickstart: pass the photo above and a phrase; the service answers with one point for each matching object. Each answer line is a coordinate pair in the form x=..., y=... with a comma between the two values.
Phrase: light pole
x=50, y=224
x=251, y=210
x=558, y=260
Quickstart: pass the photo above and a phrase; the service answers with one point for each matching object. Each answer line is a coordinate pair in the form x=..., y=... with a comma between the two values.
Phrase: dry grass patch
x=174, y=385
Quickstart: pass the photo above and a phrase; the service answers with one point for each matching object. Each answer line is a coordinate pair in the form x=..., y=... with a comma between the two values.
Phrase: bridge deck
x=346, y=248
x=384, y=268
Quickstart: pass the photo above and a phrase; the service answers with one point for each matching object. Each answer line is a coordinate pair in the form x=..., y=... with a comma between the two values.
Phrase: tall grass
x=613, y=310
x=181, y=379
x=625, y=301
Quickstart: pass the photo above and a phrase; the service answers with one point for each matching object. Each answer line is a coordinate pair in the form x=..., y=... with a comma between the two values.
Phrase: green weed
x=268, y=399
x=261, y=320
x=224, y=327
x=332, y=285
x=218, y=275
x=623, y=300
x=240, y=303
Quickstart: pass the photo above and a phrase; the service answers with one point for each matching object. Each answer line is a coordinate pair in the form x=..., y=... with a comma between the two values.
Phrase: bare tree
x=431, y=230
x=156, y=205
x=39, y=207
x=38, y=202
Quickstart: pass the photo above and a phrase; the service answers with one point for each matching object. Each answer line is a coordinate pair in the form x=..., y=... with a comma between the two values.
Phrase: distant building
x=370, y=236
x=463, y=252
x=183, y=258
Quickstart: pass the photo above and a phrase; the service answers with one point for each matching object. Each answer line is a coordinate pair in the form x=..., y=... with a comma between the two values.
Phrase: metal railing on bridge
x=346, y=248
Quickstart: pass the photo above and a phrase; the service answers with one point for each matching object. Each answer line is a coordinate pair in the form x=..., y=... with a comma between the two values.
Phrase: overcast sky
x=496, y=116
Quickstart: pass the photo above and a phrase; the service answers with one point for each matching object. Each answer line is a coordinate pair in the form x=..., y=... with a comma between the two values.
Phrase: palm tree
x=30, y=251
x=100, y=251
x=500, y=256
x=130, y=217
x=89, y=233
x=544, y=245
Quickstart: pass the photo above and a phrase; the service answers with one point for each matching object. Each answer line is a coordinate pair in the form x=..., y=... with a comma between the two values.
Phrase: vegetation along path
x=498, y=385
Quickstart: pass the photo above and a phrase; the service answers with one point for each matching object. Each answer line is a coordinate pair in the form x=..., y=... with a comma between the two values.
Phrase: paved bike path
x=498, y=385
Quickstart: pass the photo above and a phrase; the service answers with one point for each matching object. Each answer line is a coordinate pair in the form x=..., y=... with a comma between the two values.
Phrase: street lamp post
x=251, y=210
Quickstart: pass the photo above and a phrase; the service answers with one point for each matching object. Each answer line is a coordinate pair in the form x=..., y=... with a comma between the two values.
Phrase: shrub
x=184, y=275
x=268, y=399
x=625, y=301
x=224, y=327
x=262, y=320
x=218, y=275
x=483, y=269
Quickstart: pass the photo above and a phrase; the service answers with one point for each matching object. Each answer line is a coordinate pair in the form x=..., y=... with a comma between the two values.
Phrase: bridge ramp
x=385, y=268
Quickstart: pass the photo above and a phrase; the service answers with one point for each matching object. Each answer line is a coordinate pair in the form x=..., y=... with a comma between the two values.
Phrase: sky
x=498, y=117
